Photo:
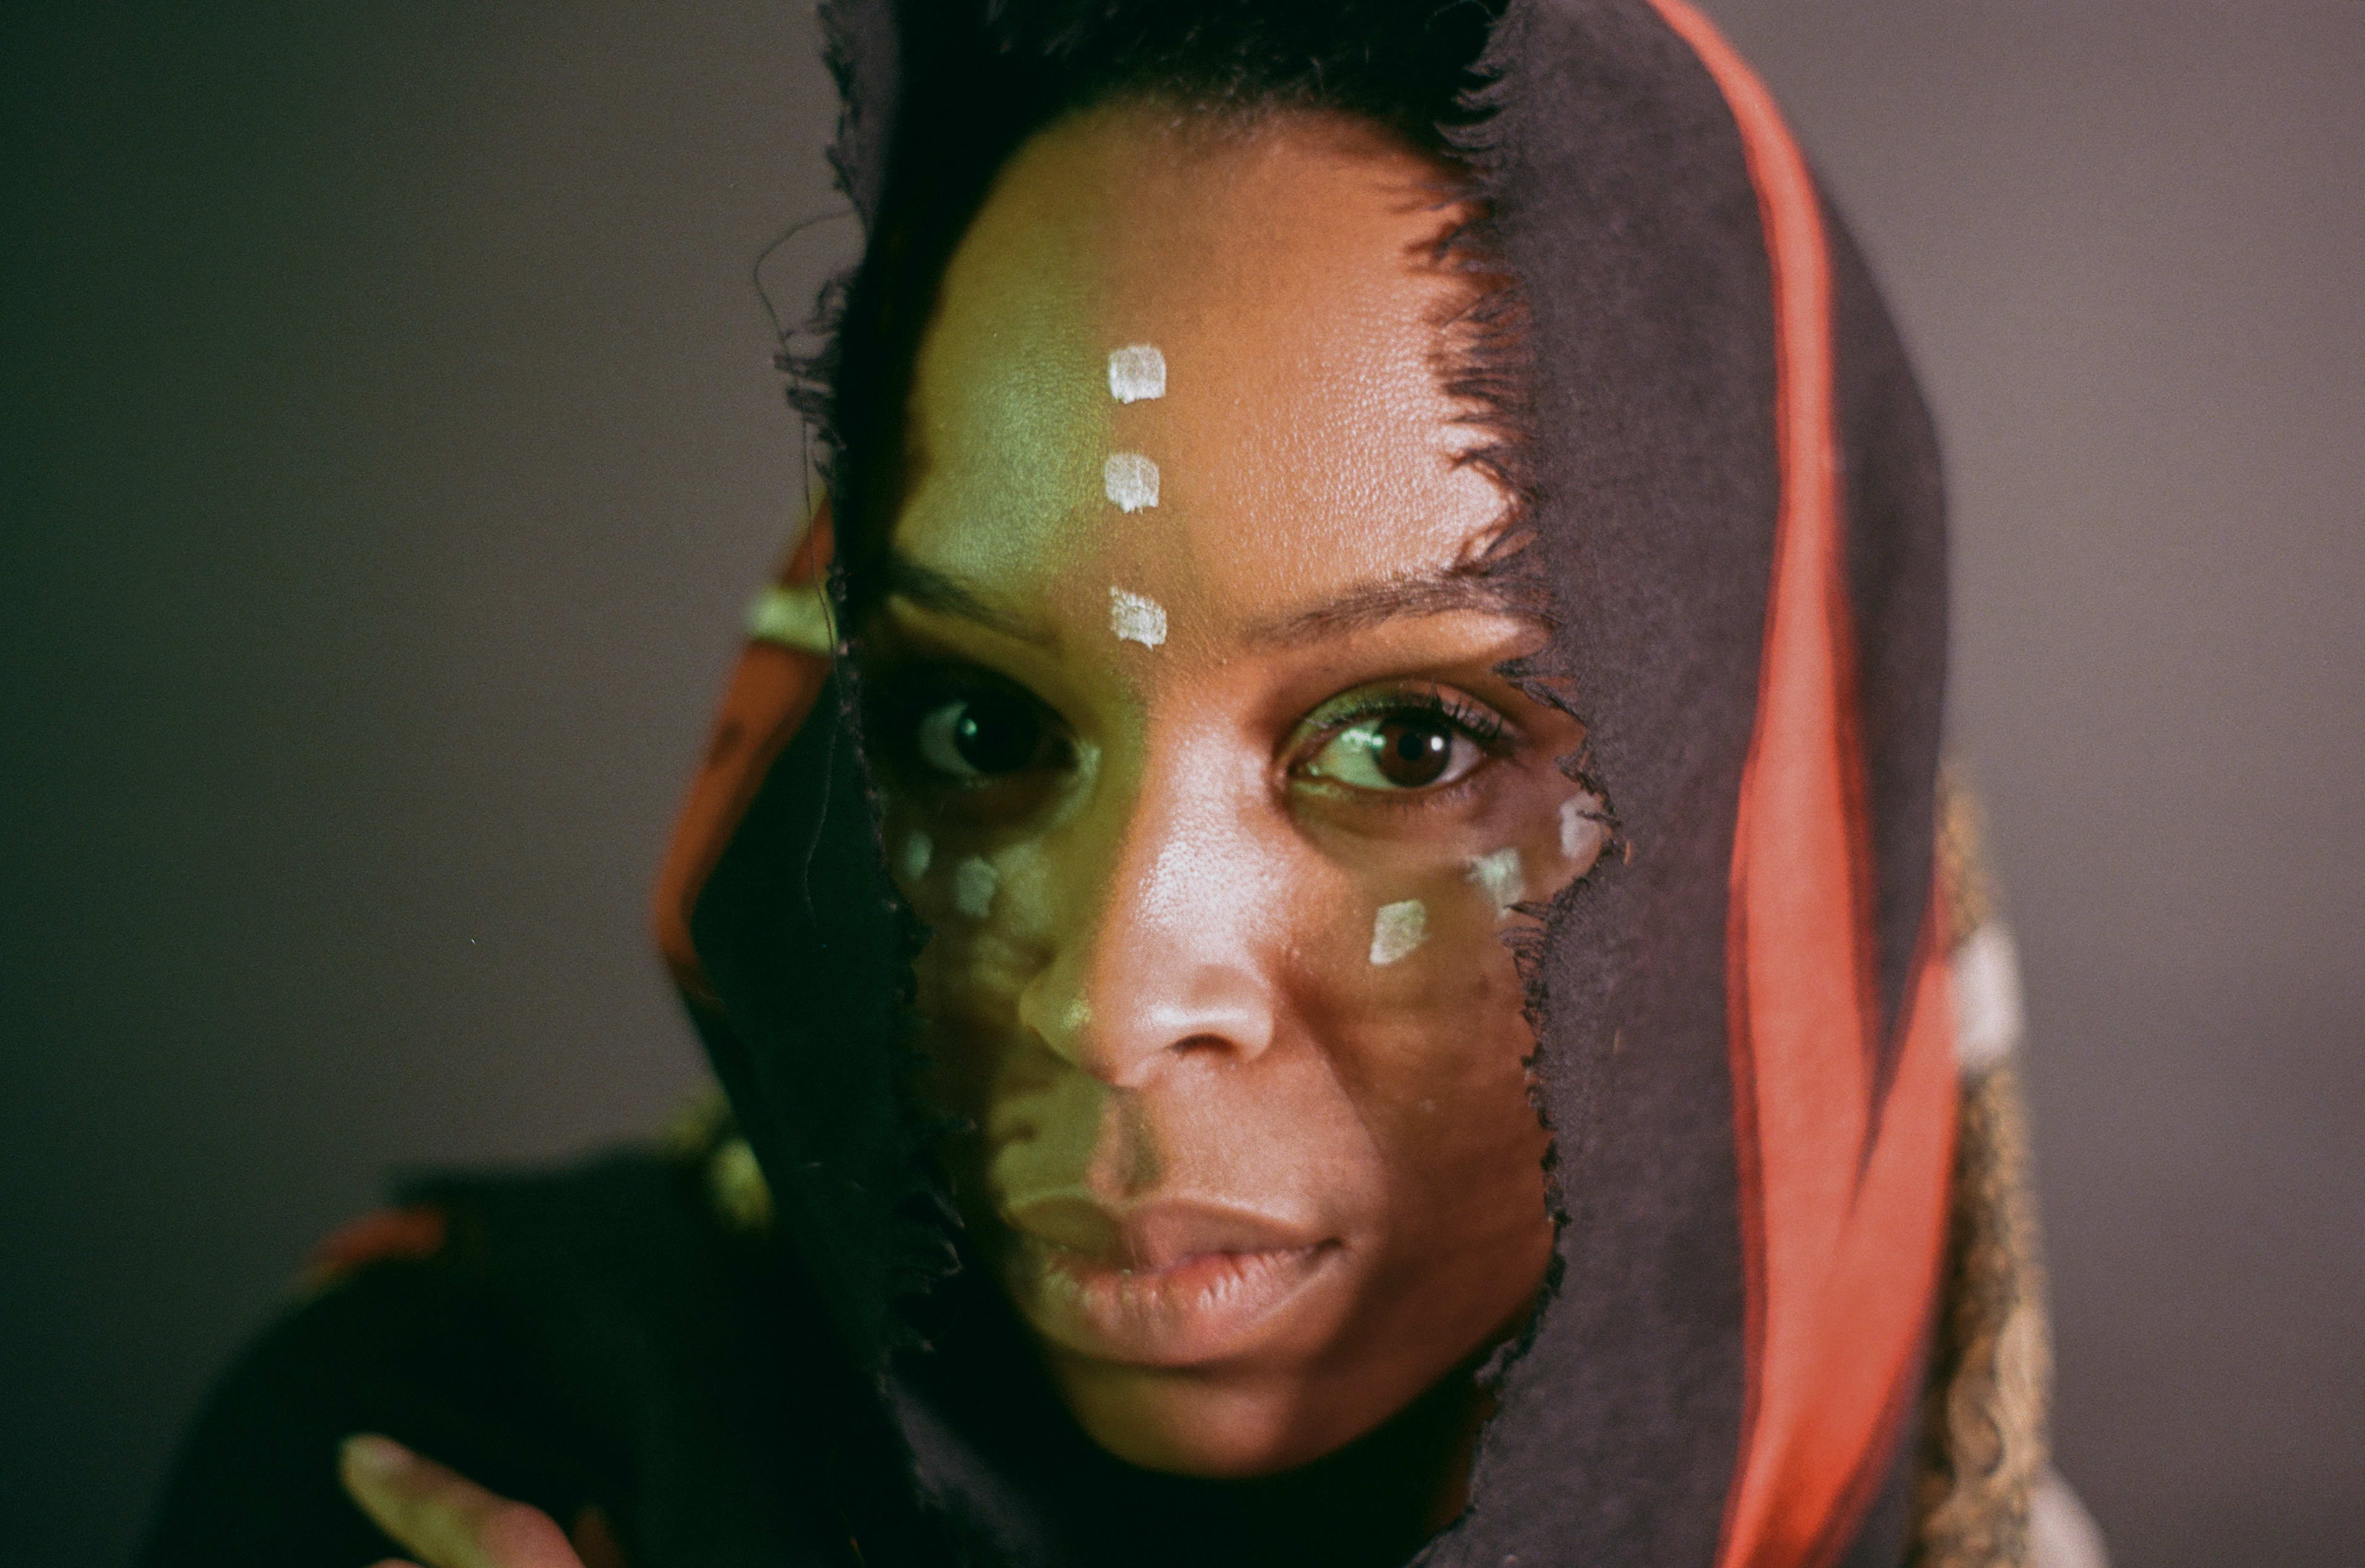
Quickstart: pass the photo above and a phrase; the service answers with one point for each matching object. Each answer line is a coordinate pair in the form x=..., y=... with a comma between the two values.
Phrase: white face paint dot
x=1581, y=830
x=1135, y=619
x=1130, y=480
x=1499, y=875
x=1397, y=929
x=919, y=851
x=1136, y=372
x=974, y=883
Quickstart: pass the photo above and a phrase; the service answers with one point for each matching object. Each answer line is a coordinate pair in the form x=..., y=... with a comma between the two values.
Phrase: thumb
x=442, y=1518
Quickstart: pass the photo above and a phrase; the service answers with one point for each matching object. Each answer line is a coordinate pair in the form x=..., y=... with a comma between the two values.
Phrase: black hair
x=979, y=77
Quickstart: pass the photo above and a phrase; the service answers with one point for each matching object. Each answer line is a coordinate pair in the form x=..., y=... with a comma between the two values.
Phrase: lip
x=1164, y=1285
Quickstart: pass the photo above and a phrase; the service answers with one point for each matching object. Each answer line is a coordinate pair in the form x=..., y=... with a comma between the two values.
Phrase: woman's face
x=1198, y=763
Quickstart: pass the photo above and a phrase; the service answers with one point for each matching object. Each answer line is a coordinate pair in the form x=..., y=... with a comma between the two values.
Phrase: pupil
x=1414, y=755
x=994, y=737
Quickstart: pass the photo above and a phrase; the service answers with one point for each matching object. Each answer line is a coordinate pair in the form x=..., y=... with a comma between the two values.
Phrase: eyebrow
x=932, y=590
x=1456, y=590
x=1459, y=589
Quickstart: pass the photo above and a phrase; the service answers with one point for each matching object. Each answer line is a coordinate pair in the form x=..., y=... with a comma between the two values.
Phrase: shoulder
x=536, y=1329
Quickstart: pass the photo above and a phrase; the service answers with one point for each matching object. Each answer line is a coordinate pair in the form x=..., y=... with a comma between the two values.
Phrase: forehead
x=1285, y=275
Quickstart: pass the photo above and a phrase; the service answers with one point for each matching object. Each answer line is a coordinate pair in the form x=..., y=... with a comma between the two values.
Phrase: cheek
x=990, y=934
x=1409, y=953
x=1415, y=996
x=1388, y=965
x=1421, y=1012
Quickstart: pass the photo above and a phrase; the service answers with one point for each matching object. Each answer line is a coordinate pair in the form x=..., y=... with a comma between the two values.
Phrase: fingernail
x=376, y=1458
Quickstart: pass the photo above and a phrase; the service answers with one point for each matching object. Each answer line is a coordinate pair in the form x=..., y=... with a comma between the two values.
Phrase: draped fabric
x=1744, y=1020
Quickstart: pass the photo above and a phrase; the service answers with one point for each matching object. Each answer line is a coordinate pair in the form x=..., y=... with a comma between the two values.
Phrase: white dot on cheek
x=919, y=853
x=1581, y=831
x=1397, y=929
x=1135, y=619
x=1500, y=876
x=1136, y=372
x=1130, y=480
x=974, y=882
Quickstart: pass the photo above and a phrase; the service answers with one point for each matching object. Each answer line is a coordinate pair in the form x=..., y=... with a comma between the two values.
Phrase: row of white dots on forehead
x=1136, y=372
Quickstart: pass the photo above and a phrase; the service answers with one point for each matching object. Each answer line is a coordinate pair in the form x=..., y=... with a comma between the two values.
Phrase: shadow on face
x=1199, y=763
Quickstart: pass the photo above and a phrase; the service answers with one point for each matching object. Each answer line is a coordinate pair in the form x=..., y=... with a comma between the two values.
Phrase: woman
x=1346, y=961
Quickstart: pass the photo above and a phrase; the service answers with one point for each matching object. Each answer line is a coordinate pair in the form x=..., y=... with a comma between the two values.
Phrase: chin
x=1212, y=1425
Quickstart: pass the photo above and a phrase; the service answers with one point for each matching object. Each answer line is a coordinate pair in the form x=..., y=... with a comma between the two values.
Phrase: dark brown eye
x=1405, y=749
x=1412, y=753
x=983, y=736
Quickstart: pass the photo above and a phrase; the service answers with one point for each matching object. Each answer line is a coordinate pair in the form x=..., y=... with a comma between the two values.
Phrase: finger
x=443, y=1518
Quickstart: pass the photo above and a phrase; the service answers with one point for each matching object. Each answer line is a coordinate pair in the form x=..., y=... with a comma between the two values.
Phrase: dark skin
x=1219, y=808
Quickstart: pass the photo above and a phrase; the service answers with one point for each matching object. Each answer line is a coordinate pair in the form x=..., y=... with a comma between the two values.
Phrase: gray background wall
x=392, y=447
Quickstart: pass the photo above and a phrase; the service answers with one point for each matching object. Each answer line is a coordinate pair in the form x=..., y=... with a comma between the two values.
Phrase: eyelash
x=1484, y=729
x=1482, y=726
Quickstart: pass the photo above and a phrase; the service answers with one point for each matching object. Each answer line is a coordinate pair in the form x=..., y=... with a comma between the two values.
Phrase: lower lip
x=1201, y=1308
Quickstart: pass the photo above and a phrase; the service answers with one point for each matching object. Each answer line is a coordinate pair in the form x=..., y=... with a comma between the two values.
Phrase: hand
x=449, y=1521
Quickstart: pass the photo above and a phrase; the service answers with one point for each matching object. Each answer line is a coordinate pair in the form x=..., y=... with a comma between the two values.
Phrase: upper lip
x=1156, y=1234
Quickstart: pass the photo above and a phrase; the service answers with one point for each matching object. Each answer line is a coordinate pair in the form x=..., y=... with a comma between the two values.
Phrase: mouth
x=1165, y=1285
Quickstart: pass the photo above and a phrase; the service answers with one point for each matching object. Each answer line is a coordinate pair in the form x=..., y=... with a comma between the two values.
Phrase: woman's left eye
x=1405, y=749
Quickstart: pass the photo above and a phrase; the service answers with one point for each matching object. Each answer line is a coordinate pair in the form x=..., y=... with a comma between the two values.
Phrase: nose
x=1172, y=935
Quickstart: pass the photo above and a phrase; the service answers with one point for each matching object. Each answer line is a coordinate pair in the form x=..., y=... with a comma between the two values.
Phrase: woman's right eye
x=984, y=734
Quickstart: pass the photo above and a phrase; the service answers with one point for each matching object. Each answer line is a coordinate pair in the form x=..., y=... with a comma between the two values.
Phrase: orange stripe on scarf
x=772, y=690
x=1843, y=1200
